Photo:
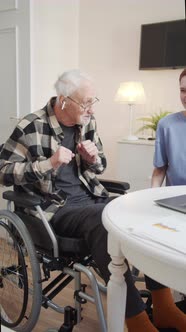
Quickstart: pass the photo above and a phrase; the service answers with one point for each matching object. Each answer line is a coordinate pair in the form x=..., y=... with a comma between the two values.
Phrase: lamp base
x=132, y=138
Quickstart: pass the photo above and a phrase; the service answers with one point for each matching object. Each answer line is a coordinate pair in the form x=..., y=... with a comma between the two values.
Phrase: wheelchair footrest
x=79, y=298
x=70, y=319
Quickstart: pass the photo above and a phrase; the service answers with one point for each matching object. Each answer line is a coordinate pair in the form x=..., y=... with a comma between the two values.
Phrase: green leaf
x=152, y=121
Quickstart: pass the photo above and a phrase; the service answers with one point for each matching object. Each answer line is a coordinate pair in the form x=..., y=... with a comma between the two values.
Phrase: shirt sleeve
x=17, y=166
x=160, y=154
x=101, y=163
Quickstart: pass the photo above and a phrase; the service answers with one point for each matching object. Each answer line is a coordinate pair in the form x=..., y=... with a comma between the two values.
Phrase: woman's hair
x=183, y=73
x=69, y=82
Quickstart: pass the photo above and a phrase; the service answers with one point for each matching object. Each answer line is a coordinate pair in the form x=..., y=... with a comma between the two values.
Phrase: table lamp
x=130, y=93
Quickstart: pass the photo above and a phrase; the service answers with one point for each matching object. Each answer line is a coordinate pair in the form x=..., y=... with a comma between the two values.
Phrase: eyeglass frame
x=81, y=105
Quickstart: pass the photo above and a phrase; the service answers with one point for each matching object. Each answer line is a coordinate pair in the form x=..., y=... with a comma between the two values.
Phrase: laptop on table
x=177, y=203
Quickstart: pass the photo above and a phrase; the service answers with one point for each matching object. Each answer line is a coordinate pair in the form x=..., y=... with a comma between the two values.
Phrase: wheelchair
x=29, y=251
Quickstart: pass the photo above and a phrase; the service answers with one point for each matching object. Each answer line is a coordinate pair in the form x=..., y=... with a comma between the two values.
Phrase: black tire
x=20, y=287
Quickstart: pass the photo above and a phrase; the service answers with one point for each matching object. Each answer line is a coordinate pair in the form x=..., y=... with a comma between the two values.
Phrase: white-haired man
x=57, y=153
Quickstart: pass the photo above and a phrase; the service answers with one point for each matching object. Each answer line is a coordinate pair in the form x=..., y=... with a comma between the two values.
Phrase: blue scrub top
x=170, y=148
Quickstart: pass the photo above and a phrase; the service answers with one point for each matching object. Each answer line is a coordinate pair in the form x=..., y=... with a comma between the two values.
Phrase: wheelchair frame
x=71, y=265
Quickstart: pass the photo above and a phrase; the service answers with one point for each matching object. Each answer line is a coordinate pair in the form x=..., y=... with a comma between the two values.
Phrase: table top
x=137, y=142
x=122, y=218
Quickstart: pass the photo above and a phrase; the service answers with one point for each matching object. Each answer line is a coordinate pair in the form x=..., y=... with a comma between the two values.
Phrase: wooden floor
x=50, y=319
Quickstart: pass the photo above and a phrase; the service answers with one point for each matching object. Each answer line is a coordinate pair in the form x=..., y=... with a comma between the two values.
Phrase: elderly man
x=56, y=152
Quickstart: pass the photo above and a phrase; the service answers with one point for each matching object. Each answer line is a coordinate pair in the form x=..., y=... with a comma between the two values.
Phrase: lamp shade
x=130, y=93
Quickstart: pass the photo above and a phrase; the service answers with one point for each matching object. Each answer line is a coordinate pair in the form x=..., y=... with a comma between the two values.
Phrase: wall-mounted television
x=163, y=45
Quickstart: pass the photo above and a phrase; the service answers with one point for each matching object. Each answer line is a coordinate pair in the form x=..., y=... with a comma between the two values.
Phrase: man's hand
x=88, y=151
x=61, y=157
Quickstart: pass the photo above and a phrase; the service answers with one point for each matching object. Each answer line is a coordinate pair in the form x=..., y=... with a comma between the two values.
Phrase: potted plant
x=151, y=122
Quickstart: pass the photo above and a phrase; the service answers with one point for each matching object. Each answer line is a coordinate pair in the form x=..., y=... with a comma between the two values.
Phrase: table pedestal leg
x=116, y=292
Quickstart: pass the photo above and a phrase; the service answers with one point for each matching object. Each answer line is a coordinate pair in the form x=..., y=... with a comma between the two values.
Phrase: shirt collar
x=53, y=122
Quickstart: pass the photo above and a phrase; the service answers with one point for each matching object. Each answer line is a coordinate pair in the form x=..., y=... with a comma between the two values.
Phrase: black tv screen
x=163, y=45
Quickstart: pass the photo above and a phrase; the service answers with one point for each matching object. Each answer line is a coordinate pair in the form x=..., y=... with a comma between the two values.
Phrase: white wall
x=102, y=38
x=109, y=39
x=54, y=45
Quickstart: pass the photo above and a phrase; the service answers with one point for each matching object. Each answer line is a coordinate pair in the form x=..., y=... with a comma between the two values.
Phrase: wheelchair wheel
x=20, y=287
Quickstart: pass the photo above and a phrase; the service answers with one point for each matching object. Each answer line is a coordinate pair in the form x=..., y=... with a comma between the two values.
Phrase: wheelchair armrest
x=22, y=199
x=117, y=187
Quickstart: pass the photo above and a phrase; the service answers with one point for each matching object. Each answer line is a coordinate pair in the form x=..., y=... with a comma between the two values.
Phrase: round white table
x=129, y=220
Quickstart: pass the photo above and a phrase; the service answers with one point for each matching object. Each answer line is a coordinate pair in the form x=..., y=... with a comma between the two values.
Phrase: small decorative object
x=151, y=122
x=131, y=93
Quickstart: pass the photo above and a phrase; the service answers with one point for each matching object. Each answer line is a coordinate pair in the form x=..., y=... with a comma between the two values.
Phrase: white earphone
x=63, y=104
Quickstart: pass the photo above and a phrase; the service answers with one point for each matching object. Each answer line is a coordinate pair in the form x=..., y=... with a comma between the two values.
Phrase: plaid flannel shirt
x=25, y=158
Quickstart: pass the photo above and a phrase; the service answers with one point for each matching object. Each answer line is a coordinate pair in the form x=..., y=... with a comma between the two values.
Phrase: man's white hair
x=70, y=81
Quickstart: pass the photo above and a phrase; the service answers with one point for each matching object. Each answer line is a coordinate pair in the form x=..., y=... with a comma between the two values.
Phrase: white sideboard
x=135, y=163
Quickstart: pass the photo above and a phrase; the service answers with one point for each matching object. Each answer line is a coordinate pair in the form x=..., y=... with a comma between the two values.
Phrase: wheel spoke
x=20, y=291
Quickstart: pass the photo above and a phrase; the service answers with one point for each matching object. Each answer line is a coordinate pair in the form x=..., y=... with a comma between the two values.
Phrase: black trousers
x=86, y=222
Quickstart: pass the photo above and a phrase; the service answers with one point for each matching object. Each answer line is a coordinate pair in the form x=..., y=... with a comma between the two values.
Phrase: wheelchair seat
x=67, y=245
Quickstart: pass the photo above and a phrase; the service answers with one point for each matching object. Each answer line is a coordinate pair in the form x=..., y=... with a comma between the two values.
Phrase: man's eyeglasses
x=84, y=107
